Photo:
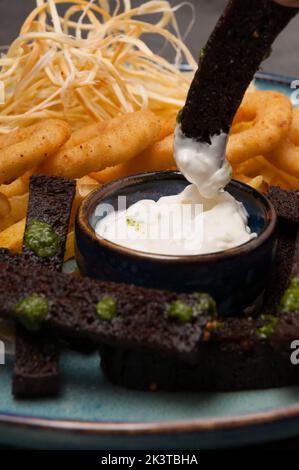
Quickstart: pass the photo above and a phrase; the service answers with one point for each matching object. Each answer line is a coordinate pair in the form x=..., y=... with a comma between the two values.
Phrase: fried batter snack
x=158, y=156
x=12, y=237
x=271, y=115
x=16, y=188
x=286, y=155
x=84, y=134
x=5, y=207
x=271, y=174
x=123, y=138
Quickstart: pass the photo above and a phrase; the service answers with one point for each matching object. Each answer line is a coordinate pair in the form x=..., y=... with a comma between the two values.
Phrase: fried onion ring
x=123, y=138
x=5, y=207
x=157, y=157
x=29, y=147
x=271, y=113
x=286, y=155
x=272, y=174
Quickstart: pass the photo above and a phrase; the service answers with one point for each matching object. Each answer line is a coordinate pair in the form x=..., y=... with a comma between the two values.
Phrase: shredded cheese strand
x=80, y=61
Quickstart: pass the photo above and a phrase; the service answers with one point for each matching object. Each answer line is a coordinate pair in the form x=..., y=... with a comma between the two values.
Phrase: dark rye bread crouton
x=50, y=201
x=238, y=357
x=142, y=315
x=282, y=267
x=295, y=263
x=36, y=369
x=240, y=41
x=287, y=330
x=286, y=203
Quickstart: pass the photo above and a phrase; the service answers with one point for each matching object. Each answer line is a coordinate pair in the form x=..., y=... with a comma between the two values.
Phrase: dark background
x=284, y=59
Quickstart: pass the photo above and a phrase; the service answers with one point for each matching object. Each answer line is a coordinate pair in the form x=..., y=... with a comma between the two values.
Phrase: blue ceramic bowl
x=236, y=278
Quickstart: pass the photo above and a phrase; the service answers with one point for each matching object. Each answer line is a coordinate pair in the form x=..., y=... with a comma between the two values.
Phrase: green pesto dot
x=205, y=303
x=133, y=223
x=268, y=329
x=180, y=311
x=41, y=238
x=290, y=299
x=106, y=308
x=219, y=325
x=32, y=310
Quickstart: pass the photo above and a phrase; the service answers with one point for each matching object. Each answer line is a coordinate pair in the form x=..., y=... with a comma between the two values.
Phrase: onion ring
x=31, y=147
x=286, y=155
x=123, y=138
x=157, y=157
x=271, y=113
x=5, y=207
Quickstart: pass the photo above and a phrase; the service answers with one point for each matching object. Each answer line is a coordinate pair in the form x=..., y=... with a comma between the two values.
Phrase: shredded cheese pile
x=82, y=62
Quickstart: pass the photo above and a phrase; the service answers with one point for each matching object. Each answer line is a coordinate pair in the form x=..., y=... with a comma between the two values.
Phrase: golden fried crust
x=286, y=155
x=122, y=139
x=157, y=157
x=32, y=146
x=271, y=113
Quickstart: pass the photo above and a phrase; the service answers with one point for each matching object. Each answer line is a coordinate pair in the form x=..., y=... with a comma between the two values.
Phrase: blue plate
x=91, y=413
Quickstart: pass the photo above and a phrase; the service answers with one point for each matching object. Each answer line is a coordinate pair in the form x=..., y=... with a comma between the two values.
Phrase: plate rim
x=172, y=427
x=112, y=428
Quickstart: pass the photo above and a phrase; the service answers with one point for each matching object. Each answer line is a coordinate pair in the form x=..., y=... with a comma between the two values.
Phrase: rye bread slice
x=240, y=41
x=36, y=368
x=50, y=201
x=295, y=263
x=141, y=347
x=237, y=357
x=36, y=371
x=286, y=204
x=282, y=267
x=141, y=322
x=288, y=327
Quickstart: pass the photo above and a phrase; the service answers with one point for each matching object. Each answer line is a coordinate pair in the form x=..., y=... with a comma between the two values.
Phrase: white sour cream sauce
x=201, y=219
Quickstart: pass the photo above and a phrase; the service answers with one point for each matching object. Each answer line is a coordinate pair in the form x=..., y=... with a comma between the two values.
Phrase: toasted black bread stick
x=238, y=356
x=36, y=357
x=240, y=41
x=142, y=341
x=36, y=369
x=295, y=264
x=288, y=328
x=104, y=312
x=286, y=204
x=282, y=266
x=50, y=202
